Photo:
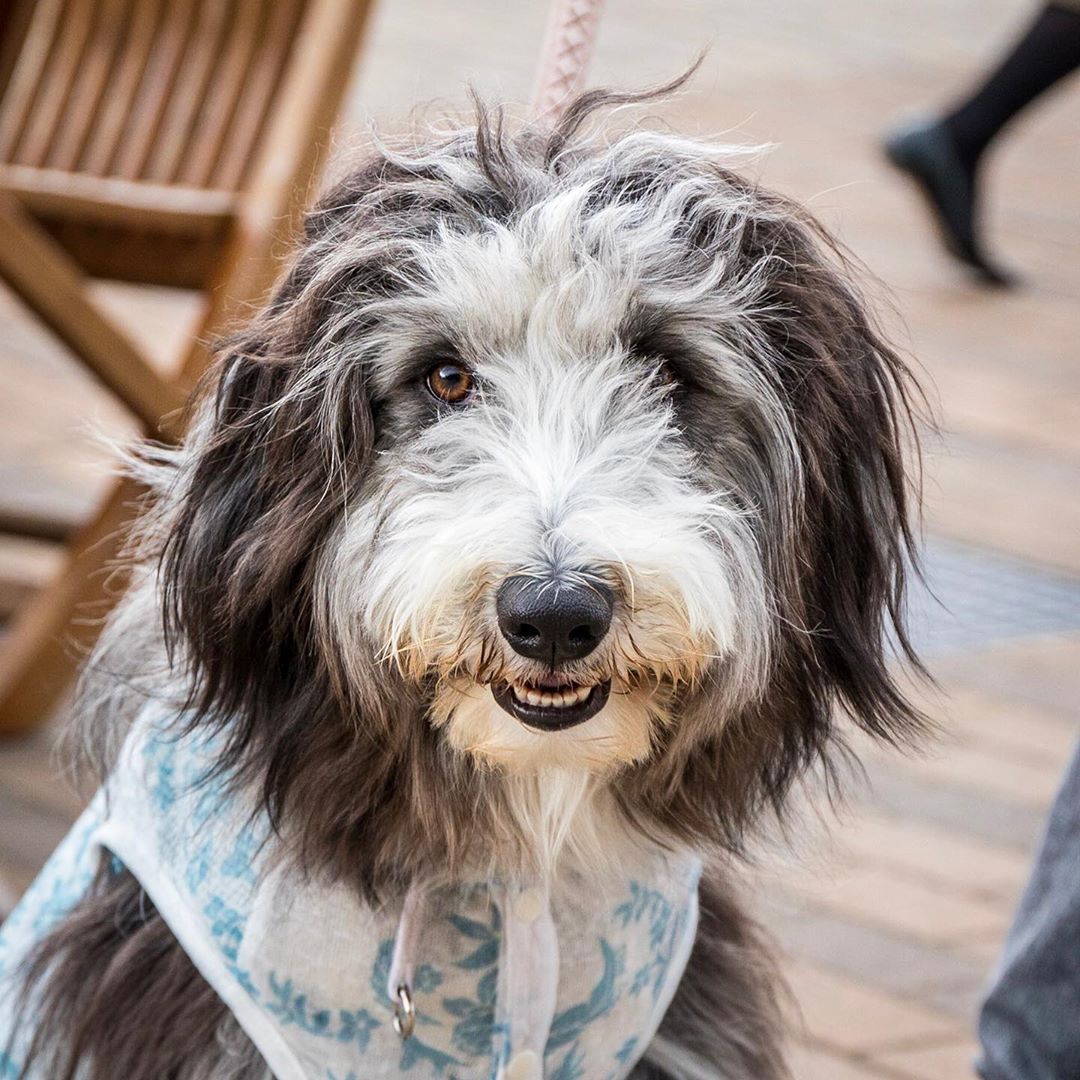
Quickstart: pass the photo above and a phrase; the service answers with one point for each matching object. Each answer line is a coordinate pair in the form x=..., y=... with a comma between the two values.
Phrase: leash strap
x=567, y=53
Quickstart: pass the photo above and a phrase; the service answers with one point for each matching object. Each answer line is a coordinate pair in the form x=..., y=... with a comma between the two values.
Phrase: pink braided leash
x=568, y=49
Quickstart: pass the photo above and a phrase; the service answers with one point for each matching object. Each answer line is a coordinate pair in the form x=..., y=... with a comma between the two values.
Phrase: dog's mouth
x=556, y=709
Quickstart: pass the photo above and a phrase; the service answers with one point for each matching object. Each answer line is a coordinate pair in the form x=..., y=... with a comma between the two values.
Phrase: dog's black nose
x=552, y=620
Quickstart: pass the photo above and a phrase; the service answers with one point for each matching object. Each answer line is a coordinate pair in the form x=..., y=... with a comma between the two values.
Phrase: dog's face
x=548, y=455
x=540, y=542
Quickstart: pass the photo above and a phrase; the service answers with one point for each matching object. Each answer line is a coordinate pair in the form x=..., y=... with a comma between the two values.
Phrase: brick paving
x=889, y=918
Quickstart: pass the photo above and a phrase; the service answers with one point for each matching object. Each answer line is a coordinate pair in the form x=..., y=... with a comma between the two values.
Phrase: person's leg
x=1048, y=52
x=1029, y=1024
x=944, y=155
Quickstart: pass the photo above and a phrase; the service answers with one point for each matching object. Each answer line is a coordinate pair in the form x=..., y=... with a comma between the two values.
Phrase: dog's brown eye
x=451, y=383
x=666, y=376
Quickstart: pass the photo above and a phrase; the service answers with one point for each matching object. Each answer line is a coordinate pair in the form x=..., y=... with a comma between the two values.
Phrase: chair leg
x=41, y=273
x=50, y=635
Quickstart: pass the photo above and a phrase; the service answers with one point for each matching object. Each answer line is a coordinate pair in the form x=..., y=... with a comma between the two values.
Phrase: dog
x=522, y=554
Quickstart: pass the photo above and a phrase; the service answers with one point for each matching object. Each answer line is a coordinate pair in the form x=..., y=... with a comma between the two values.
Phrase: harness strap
x=399, y=984
x=528, y=979
x=528, y=982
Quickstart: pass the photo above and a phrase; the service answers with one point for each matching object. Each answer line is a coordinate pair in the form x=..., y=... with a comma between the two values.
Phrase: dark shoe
x=926, y=153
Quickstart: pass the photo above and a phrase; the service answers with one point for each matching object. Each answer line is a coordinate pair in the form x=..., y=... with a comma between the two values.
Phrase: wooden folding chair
x=161, y=141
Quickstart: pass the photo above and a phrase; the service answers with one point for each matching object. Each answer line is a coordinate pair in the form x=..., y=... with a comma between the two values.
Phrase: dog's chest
x=305, y=967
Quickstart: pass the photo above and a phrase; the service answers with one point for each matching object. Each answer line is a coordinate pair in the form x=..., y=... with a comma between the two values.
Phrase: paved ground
x=889, y=924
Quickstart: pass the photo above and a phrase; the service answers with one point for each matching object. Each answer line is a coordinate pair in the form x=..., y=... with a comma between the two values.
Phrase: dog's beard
x=558, y=784
x=559, y=807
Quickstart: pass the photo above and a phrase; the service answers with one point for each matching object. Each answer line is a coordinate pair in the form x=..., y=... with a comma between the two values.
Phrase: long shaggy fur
x=121, y=998
x=723, y=1021
x=680, y=395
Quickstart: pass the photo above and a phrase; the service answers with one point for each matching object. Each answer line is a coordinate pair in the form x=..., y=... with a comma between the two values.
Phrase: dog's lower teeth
x=558, y=700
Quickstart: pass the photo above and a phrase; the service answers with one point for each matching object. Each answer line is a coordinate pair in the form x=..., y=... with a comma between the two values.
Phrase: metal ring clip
x=404, y=1012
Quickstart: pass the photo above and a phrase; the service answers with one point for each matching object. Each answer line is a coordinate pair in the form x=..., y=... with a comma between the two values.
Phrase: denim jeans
x=1029, y=1024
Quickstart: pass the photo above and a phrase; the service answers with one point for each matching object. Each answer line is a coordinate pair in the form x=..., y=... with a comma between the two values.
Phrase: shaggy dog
x=534, y=535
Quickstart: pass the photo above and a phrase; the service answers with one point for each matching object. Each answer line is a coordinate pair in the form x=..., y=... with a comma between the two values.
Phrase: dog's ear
x=840, y=569
x=840, y=548
x=279, y=444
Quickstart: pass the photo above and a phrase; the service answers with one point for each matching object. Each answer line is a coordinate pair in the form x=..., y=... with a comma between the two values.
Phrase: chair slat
x=57, y=82
x=22, y=88
x=15, y=19
x=103, y=142
x=229, y=85
x=263, y=80
x=151, y=100
x=108, y=38
x=195, y=76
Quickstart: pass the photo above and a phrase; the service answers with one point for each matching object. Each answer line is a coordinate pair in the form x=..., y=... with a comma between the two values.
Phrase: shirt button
x=527, y=906
x=524, y=1066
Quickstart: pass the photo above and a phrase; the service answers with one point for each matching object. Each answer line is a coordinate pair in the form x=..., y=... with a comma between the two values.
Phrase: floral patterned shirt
x=304, y=965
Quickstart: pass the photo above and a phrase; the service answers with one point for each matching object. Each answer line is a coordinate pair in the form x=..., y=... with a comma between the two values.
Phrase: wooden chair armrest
x=53, y=193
